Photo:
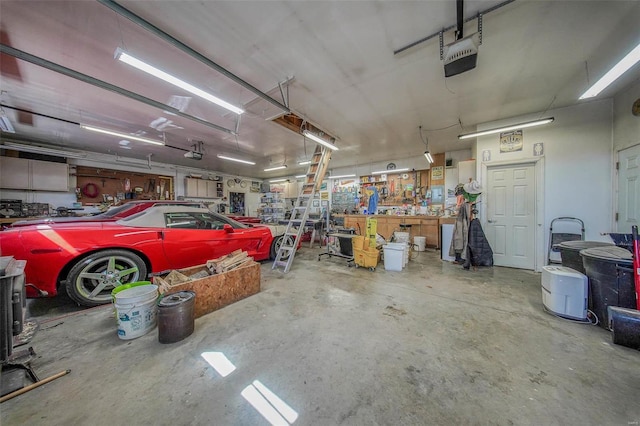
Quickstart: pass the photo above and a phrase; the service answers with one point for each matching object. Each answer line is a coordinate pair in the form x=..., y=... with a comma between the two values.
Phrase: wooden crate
x=217, y=291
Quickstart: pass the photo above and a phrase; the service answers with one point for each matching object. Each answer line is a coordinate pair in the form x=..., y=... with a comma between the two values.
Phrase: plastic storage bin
x=393, y=256
x=570, y=252
x=610, y=272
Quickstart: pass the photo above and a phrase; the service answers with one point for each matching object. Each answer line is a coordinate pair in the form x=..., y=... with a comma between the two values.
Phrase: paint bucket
x=420, y=242
x=122, y=287
x=176, y=316
x=136, y=311
x=401, y=237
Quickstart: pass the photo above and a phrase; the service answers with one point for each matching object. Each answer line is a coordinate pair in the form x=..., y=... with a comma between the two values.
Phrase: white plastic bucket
x=401, y=237
x=405, y=255
x=420, y=242
x=136, y=310
x=393, y=256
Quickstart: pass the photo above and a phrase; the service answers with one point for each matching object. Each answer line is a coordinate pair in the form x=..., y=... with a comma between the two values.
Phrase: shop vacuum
x=623, y=322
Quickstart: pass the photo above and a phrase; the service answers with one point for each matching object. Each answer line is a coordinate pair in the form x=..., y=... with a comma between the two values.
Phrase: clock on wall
x=391, y=166
x=635, y=108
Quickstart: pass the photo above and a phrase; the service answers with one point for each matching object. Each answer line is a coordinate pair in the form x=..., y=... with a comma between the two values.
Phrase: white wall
x=578, y=163
x=626, y=127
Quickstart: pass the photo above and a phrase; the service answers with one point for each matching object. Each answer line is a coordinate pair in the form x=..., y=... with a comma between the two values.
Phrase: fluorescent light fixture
x=237, y=160
x=300, y=176
x=618, y=69
x=319, y=140
x=341, y=176
x=270, y=169
x=5, y=125
x=507, y=128
x=143, y=66
x=379, y=172
x=42, y=150
x=428, y=156
x=278, y=180
x=304, y=163
x=121, y=135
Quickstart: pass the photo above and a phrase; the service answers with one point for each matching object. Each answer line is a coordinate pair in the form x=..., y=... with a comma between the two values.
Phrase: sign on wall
x=511, y=141
x=437, y=173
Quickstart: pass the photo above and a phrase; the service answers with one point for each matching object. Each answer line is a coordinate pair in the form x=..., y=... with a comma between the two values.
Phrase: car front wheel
x=91, y=280
x=277, y=242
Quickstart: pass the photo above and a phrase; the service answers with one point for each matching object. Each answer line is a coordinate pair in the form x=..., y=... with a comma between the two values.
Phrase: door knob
x=490, y=221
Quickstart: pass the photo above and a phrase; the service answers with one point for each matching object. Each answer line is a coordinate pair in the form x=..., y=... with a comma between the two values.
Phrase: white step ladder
x=300, y=212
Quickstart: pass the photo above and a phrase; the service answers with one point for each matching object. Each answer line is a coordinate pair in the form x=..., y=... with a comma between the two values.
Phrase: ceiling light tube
x=121, y=135
x=304, y=163
x=5, y=125
x=379, y=172
x=300, y=176
x=618, y=69
x=507, y=128
x=149, y=69
x=41, y=150
x=342, y=176
x=237, y=160
x=428, y=156
x=270, y=169
x=278, y=180
x=319, y=140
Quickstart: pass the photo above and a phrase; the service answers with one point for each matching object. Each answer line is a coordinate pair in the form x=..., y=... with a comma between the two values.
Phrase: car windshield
x=114, y=211
x=118, y=211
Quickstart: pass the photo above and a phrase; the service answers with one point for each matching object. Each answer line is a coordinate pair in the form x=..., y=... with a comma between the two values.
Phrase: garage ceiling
x=333, y=61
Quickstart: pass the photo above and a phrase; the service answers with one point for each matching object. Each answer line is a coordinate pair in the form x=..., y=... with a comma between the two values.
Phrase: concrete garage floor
x=434, y=344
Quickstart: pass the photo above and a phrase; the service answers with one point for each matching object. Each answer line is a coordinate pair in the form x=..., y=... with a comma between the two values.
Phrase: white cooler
x=565, y=291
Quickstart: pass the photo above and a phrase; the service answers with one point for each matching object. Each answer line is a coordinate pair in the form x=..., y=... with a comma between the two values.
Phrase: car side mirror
x=228, y=228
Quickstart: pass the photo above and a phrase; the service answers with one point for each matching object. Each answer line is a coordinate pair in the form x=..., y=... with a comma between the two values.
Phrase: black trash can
x=611, y=283
x=570, y=252
x=176, y=316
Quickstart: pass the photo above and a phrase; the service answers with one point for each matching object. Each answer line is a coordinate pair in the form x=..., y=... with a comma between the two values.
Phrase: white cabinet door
x=14, y=173
x=211, y=189
x=191, y=187
x=292, y=190
x=200, y=188
x=34, y=175
x=48, y=176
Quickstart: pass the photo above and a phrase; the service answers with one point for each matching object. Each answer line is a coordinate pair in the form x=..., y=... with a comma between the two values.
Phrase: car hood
x=276, y=230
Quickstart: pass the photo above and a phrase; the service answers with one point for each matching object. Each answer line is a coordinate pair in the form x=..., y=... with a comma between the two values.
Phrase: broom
x=636, y=263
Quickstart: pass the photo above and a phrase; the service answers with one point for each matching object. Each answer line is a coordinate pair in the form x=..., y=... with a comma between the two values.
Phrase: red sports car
x=91, y=258
x=111, y=215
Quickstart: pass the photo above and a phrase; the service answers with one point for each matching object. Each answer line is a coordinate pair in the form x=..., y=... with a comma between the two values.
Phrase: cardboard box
x=217, y=291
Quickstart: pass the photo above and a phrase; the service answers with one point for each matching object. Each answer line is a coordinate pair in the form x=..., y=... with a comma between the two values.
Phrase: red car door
x=191, y=239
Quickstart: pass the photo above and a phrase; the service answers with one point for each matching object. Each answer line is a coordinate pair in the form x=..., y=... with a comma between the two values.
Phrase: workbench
x=421, y=225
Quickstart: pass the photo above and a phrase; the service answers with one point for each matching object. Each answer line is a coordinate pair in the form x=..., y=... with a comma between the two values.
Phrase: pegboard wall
x=97, y=185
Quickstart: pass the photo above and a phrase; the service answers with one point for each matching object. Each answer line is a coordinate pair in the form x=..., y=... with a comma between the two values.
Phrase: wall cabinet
x=203, y=188
x=33, y=175
x=291, y=190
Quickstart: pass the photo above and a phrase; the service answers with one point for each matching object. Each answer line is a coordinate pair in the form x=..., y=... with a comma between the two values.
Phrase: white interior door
x=511, y=215
x=628, y=188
